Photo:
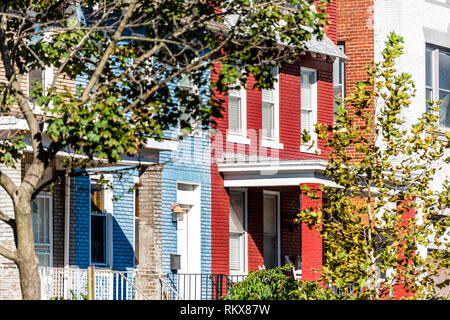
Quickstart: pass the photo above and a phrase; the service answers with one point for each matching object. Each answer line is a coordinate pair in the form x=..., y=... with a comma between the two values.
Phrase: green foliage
x=313, y=290
x=132, y=54
x=386, y=207
x=266, y=284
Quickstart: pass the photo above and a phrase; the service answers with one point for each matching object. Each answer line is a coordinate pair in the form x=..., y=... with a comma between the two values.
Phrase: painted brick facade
x=189, y=164
x=311, y=239
x=150, y=232
x=290, y=137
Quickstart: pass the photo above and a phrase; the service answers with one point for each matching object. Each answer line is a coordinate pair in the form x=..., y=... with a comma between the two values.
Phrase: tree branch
x=108, y=52
x=8, y=254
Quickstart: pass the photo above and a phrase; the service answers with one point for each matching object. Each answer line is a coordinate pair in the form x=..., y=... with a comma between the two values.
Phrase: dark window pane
x=444, y=120
x=444, y=70
x=428, y=71
x=98, y=239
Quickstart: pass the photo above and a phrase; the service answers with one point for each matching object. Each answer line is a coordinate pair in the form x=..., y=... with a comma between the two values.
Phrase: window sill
x=238, y=139
x=308, y=149
x=271, y=144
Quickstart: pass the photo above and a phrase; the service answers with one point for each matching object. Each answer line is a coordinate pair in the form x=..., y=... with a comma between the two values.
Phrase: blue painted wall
x=122, y=218
x=189, y=164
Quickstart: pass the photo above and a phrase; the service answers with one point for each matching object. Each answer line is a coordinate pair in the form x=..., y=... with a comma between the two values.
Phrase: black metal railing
x=199, y=286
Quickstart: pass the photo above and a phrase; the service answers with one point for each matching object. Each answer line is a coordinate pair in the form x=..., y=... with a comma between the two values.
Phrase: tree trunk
x=27, y=262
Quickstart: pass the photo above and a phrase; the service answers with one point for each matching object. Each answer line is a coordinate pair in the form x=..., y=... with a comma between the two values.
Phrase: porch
x=201, y=286
x=71, y=283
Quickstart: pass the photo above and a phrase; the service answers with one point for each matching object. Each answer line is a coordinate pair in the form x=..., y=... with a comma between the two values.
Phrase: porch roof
x=274, y=173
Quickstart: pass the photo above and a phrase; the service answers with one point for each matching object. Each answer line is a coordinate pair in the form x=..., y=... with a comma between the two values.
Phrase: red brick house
x=259, y=165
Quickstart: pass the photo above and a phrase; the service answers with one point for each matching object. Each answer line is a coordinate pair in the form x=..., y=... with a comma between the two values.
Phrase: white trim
x=45, y=194
x=282, y=165
x=192, y=266
x=271, y=144
x=241, y=137
x=305, y=148
x=277, y=195
x=275, y=142
x=233, y=138
x=245, y=235
x=435, y=86
x=67, y=222
x=108, y=195
x=244, y=182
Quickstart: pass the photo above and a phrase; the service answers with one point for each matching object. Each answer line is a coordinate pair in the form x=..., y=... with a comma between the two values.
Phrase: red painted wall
x=311, y=240
x=290, y=137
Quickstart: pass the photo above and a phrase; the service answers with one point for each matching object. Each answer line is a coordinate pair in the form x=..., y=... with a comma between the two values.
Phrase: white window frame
x=50, y=225
x=239, y=137
x=109, y=208
x=277, y=194
x=306, y=148
x=47, y=75
x=341, y=68
x=244, y=256
x=435, y=89
x=196, y=126
x=274, y=142
x=135, y=182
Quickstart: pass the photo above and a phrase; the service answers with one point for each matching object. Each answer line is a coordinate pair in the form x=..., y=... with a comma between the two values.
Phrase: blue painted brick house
x=114, y=225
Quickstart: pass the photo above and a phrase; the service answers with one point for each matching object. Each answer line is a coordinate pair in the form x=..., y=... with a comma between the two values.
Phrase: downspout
x=67, y=222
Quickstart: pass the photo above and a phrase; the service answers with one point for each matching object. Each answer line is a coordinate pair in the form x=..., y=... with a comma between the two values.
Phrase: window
x=235, y=112
x=338, y=81
x=270, y=115
x=271, y=230
x=237, y=232
x=42, y=229
x=186, y=84
x=437, y=82
x=308, y=112
x=101, y=208
x=34, y=77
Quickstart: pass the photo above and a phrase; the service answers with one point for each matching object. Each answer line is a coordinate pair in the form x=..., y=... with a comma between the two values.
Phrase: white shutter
x=306, y=116
x=237, y=231
x=268, y=113
x=234, y=114
x=235, y=251
x=267, y=95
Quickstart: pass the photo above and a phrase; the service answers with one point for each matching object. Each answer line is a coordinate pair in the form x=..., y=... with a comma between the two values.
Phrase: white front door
x=189, y=239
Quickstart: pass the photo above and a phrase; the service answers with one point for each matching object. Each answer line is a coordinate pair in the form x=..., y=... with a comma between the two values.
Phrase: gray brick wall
x=150, y=237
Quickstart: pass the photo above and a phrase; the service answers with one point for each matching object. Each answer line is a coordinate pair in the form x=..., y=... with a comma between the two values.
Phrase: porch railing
x=199, y=286
x=71, y=283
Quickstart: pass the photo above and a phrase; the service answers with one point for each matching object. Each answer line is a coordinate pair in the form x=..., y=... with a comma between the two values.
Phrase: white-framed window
x=437, y=84
x=308, y=112
x=101, y=223
x=42, y=211
x=185, y=83
x=237, y=240
x=338, y=81
x=271, y=114
x=271, y=223
x=45, y=78
x=237, y=116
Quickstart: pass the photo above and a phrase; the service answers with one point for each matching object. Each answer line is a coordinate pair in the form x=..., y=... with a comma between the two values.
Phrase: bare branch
x=108, y=52
x=8, y=254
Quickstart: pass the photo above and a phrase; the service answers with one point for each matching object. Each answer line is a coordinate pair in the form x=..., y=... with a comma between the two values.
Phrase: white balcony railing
x=71, y=283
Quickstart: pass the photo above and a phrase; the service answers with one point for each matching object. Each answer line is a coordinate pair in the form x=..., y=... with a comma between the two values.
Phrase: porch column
x=311, y=242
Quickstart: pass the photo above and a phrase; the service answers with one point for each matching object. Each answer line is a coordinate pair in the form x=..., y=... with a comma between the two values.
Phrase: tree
x=386, y=208
x=128, y=53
